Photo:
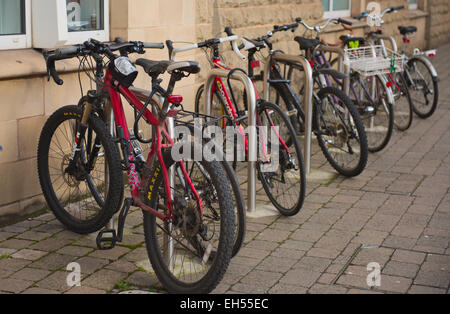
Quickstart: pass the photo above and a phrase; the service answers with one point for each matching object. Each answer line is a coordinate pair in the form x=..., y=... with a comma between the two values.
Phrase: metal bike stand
x=342, y=66
x=168, y=241
x=281, y=57
x=252, y=142
x=110, y=124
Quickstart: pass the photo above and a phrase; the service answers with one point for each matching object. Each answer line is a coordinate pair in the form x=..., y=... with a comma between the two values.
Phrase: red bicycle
x=285, y=185
x=188, y=210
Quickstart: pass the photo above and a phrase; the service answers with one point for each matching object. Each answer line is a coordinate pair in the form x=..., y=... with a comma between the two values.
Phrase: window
x=52, y=23
x=412, y=4
x=87, y=19
x=15, y=30
x=336, y=8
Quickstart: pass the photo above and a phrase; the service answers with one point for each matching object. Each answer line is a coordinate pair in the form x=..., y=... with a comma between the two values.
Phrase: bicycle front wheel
x=191, y=252
x=280, y=162
x=371, y=97
x=81, y=197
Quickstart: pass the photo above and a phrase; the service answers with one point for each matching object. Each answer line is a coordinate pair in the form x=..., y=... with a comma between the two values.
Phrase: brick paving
x=396, y=214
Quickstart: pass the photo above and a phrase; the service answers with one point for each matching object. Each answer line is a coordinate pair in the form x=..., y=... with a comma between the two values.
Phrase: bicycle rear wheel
x=376, y=111
x=280, y=160
x=423, y=87
x=190, y=254
x=340, y=132
x=81, y=198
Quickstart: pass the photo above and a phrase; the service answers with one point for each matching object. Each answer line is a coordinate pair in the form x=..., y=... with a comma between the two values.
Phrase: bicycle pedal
x=106, y=240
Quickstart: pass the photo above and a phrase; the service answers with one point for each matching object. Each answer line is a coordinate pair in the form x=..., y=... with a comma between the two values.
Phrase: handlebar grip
x=228, y=31
x=169, y=45
x=153, y=45
x=52, y=71
x=397, y=8
x=67, y=51
x=342, y=21
x=298, y=20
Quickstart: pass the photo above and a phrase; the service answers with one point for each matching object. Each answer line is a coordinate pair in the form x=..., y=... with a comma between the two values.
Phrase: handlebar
x=397, y=8
x=94, y=48
x=318, y=28
x=387, y=10
x=342, y=21
x=207, y=43
x=286, y=27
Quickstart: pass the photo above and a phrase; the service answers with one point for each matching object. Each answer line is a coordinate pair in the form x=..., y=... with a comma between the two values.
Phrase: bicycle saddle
x=407, y=29
x=155, y=68
x=307, y=43
x=185, y=66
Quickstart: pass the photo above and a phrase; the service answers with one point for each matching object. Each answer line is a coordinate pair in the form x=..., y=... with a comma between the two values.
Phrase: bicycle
x=190, y=245
x=419, y=77
x=336, y=122
x=369, y=92
x=238, y=200
x=285, y=186
x=403, y=108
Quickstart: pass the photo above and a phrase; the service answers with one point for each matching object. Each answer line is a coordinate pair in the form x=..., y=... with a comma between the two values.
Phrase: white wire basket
x=374, y=60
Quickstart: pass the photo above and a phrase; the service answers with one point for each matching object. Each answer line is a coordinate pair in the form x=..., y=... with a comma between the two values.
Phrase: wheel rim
x=338, y=133
x=283, y=181
x=421, y=89
x=375, y=116
x=191, y=255
x=81, y=199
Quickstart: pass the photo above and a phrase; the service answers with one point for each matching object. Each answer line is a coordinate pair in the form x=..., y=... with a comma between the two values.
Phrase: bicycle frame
x=160, y=134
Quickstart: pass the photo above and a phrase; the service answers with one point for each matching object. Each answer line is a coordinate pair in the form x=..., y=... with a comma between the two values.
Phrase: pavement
x=393, y=220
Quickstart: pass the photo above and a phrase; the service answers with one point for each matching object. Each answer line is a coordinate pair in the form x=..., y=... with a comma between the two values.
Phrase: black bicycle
x=336, y=122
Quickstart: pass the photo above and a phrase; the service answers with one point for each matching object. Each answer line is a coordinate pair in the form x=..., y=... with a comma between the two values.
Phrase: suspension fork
x=81, y=131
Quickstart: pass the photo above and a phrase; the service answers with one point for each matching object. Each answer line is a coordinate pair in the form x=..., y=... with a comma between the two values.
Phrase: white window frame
x=413, y=6
x=100, y=35
x=22, y=41
x=338, y=13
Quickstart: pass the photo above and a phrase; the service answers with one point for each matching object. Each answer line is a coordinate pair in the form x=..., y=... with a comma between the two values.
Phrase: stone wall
x=439, y=23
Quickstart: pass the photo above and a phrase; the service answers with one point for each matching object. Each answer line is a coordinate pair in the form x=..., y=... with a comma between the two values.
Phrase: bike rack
x=281, y=57
x=252, y=142
x=342, y=67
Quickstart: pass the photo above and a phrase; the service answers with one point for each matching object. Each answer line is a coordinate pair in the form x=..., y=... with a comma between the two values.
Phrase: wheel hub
x=191, y=219
x=68, y=175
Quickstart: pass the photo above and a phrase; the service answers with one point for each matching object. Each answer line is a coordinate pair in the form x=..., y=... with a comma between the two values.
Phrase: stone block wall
x=439, y=23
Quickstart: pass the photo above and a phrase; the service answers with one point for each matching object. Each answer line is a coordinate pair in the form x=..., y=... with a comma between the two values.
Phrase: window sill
x=26, y=63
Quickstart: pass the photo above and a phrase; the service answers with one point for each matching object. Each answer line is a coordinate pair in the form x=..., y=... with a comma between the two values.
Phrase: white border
x=19, y=41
